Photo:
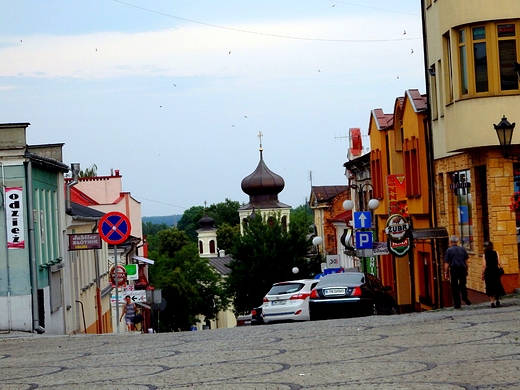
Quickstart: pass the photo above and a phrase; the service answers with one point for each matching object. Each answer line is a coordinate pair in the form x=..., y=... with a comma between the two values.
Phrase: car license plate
x=334, y=291
x=277, y=303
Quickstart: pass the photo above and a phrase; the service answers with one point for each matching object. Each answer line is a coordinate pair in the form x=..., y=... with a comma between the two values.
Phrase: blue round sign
x=114, y=228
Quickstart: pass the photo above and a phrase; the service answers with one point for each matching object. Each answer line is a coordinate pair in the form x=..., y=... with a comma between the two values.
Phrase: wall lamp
x=505, y=134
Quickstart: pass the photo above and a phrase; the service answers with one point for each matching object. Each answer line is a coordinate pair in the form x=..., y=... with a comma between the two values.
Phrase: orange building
x=400, y=170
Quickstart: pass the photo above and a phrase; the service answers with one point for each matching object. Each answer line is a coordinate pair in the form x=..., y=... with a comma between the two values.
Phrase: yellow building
x=471, y=46
x=399, y=170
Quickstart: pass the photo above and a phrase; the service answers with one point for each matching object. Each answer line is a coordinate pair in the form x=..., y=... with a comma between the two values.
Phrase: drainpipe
x=432, y=210
x=75, y=168
x=32, y=250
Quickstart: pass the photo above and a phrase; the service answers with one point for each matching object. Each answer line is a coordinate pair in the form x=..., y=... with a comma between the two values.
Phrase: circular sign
x=114, y=228
x=118, y=277
x=397, y=228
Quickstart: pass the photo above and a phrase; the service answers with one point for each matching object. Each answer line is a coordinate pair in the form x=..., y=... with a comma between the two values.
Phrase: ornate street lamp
x=505, y=134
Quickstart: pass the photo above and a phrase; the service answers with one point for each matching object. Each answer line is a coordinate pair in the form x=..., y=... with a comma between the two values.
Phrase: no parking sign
x=114, y=228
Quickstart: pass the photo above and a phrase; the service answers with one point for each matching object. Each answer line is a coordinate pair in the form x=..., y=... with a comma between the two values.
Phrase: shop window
x=462, y=207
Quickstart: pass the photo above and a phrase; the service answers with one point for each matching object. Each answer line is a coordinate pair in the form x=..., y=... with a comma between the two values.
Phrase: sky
x=174, y=94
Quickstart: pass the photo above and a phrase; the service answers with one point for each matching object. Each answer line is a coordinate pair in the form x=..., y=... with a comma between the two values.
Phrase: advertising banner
x=14, y=218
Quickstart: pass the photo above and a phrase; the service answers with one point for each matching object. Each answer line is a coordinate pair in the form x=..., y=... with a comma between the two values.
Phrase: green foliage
x=225, y=212
x=189, y=284
x=266, y=254
x=88, y=172
x=227, y=236
x=171, y=241
x=303, y=217
x=189, y=222
x=150, y=228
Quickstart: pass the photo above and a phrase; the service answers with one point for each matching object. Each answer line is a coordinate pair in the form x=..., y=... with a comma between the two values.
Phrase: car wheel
x=394, y=310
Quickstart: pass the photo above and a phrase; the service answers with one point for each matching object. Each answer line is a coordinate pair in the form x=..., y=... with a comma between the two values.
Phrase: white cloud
x=196, y=50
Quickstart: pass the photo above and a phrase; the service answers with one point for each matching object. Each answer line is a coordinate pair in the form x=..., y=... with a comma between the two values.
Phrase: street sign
x=362, y=220
x=114, y=228
x=364, y=240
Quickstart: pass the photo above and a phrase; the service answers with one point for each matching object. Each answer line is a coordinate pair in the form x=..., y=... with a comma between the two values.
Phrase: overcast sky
x=174, y=93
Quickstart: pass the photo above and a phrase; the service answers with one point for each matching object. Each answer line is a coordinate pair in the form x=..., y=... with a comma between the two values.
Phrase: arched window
x=201, y=247
x=212, y=246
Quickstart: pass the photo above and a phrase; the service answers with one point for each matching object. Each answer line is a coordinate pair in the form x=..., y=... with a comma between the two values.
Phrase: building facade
x=471, y=47
x=32, y=264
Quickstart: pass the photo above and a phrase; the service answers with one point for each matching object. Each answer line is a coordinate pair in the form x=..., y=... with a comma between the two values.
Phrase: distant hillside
x=170, y=220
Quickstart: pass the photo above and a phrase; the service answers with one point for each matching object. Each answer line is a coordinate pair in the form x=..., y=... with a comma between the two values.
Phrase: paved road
x=475, y=347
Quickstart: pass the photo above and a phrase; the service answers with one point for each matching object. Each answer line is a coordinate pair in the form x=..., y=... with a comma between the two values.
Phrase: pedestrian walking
x=491, y=274
x=456, y=269
x=129, y=309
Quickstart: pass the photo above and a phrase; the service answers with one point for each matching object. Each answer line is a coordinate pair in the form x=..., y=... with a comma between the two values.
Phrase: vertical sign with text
x=14, y=218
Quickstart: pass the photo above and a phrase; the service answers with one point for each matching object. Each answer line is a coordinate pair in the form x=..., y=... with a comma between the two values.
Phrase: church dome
x=206, y=222
x=263, y=182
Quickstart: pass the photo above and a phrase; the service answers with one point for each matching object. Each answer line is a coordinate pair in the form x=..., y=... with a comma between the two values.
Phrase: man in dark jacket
x=456, y=264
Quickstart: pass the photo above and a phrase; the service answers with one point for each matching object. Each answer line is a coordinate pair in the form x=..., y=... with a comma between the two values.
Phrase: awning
x=429, y=233
x=143, y=259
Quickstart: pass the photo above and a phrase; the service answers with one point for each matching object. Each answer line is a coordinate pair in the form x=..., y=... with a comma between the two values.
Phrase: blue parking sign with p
x=364, y=240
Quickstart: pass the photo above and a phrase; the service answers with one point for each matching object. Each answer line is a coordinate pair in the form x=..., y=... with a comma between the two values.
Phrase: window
x=377, y=173
x=480, y=59
x=463, y=66
x=485, y=58
x=461, y=184
x=411, y=168
x=507, y=55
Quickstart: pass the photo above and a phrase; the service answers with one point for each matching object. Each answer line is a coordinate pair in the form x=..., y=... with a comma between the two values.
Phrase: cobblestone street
x=476, y=347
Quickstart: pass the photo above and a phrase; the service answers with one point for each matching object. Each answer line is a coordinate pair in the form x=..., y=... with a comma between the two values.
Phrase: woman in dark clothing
x=491, y=275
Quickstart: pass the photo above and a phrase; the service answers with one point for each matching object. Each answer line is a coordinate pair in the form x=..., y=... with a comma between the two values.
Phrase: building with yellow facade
x=471, y=47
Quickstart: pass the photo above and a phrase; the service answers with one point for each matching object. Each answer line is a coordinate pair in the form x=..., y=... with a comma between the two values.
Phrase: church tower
x=207, y=236
x=263, y=187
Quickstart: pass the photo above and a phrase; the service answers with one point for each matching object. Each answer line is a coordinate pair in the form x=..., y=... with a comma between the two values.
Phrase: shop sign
x=84, y=241
x=14, y=218
x=399, y=249
x=397, y=228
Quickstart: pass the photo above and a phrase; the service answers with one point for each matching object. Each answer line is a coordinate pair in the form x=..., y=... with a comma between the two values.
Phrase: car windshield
x=347, y=279
x=285, y=288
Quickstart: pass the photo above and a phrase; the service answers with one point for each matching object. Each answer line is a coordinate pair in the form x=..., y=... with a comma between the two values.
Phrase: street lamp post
x=504, y=131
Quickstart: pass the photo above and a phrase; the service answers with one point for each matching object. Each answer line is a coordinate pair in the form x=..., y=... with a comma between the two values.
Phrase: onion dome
x=263, y=184
x=206, y=222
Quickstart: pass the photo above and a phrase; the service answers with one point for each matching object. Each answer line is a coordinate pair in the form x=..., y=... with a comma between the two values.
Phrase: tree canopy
x=266, y=253
x=224, y=212
x=189, y=284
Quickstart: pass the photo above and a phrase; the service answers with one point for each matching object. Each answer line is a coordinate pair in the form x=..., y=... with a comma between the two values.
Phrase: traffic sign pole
x=117, y=289
x=114, y=228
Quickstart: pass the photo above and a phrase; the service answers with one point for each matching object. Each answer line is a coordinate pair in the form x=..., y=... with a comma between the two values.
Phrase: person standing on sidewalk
x=456, y=266
x=491, y=275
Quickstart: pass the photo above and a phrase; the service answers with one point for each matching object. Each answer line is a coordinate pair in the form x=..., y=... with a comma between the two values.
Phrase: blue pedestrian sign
x=364, y=240
x=362, y=220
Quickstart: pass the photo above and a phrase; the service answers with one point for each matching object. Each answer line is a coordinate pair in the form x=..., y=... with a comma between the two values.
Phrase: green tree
x=88, y=172
x=227, y=236
x=266, y=253
x=189, y=284
x=189, y=221
x=224, y=212
x=303, y=217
